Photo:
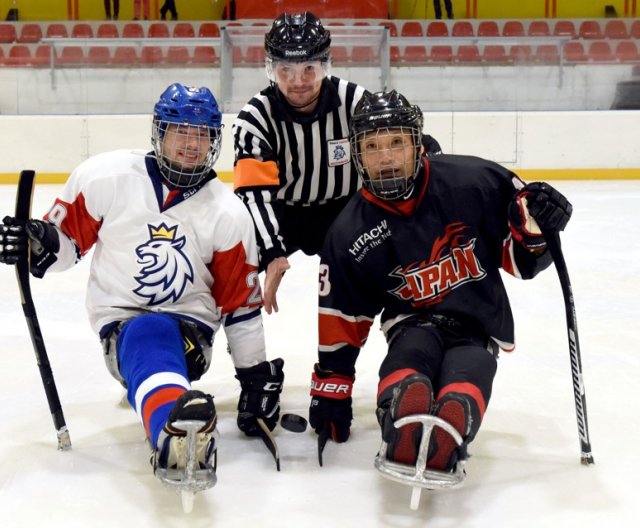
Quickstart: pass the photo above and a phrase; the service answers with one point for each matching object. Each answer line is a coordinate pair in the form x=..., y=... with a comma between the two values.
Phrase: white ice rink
x=525, y=467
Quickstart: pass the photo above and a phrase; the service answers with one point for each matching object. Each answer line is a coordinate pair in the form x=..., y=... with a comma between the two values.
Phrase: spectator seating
x=539, y=28
x=107, y=30
x=81, y=30
x=462, y=28
x=30, y=33
x=57, y=30
x=601, y=41
x=488, y=28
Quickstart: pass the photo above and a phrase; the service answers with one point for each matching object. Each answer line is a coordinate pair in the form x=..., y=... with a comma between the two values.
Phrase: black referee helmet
x=297, y=37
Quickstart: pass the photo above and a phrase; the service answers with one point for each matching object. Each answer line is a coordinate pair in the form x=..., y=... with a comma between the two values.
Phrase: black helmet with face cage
x=383, y=111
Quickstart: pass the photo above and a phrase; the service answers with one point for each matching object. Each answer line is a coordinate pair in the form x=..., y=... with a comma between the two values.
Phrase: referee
x=293, y=165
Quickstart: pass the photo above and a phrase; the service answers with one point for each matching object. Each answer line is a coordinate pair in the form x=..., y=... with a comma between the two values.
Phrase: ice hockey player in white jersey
x=175, y=259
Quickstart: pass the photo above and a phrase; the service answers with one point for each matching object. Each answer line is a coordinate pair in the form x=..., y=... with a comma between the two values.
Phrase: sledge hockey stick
x=23, y=212
x=269, y=441
x=553, y=243
x=323, y=437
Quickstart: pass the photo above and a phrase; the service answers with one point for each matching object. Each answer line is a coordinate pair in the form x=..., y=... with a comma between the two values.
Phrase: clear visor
x=288, y=71
x=185, y=153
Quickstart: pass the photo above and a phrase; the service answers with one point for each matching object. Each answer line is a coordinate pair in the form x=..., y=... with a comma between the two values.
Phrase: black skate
x=407, y=431
x=185, y=459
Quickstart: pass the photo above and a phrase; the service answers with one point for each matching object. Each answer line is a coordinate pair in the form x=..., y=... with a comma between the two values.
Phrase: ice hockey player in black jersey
x=423, y=242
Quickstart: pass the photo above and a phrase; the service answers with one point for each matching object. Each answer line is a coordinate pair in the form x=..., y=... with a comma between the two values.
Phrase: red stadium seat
x=125, y=56
x=183, y=30
x=488, y=28
x=494, y=53
x=462, y=28
x=564, y=28
x=393, y=30
x=467, y=54
x=132, y=30
x=574, y=52
x=513, y=28
x=600, y=51
x=107, y=30
x=441, y=54
x=30, y=33
x=158, y=30
x=395, y=55
x=57, y=30
x=414, y=54
x=71, y=56
x=2, y=58
x=178, y=55
x=412, y=28
x=19, y=55
x=339, y=55
x=547, y=53
x=590, y=29
x=615, y=29
x=208, y=30
x=520, y=53
x=204, y=55
x=538, y=28
x=634, y=31
x=627, y=51
x=8, y=33
x=42, y=56
x=81, y=30
x=437, y=29
x=99, y=55
x=151, y=55
x=254, y=55
x=364, y=54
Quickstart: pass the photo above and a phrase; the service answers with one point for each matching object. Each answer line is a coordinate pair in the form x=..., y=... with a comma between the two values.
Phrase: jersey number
x=324, y=287
x=252, y=281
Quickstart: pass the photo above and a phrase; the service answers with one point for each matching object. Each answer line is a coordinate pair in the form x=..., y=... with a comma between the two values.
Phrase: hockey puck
x=294, y=423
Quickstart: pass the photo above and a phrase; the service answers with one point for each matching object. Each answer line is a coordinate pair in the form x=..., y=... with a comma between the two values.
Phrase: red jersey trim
x=235, y=281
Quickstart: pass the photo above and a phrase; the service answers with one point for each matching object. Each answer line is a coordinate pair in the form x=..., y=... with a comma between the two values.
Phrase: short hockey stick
x=323, y=437
x=553, y=243
x=23, y=212
x=269, y=441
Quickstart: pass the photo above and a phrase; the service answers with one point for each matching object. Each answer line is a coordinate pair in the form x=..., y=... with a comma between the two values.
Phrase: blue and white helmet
x=192, y=109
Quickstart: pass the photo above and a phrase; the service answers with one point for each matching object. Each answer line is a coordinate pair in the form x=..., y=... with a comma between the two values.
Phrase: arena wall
x=538, y=145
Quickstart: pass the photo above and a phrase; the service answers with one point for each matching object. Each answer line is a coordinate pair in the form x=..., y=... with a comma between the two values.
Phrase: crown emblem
x=162, y=232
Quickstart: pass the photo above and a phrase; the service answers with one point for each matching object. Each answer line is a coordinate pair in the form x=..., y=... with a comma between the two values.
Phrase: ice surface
x=525, y=468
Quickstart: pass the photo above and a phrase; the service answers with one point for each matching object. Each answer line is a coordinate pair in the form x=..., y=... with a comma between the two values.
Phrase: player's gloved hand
x=260, y=396
x=45, y=243
x=331, y=403
x=13, y=240
x=537, y=207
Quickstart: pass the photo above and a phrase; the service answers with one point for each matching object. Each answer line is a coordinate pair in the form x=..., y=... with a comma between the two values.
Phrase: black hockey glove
x=260, y=395
x=331, y=403
x=548, y=207
x=14, y=237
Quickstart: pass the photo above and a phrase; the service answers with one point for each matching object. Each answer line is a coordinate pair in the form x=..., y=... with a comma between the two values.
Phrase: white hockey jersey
x=190, y=252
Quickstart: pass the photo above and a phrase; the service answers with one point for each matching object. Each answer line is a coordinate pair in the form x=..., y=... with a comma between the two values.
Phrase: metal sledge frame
x=418, y=476
x=192, y=479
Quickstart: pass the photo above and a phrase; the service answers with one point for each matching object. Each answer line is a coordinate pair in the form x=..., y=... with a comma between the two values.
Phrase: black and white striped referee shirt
x=284, y=159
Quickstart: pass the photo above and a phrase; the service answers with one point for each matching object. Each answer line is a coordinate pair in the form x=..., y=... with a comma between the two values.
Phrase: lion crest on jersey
x=165, y=270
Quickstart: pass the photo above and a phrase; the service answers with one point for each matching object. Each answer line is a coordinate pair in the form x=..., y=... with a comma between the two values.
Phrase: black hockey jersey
x=439, y=252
